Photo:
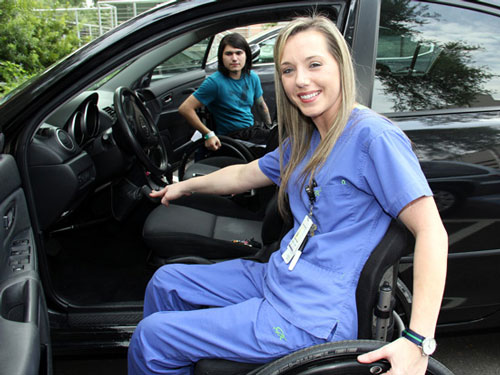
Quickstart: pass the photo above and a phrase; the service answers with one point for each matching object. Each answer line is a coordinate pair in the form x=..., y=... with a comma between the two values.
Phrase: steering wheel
x=238, y=149
x=140, y=132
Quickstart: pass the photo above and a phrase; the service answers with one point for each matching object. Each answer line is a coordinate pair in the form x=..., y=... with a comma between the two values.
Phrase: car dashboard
x=72, y=154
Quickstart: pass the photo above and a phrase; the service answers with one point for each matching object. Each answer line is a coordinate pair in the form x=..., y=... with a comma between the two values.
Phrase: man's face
x=234, y=60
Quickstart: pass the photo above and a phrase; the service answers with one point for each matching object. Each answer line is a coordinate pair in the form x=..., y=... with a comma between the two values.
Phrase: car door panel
x=171, y=93
x=24, y=337
x=460, y=161
x=454, y=127
x=266, y=75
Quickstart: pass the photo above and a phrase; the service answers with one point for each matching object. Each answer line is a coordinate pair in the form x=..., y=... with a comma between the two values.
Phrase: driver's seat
x=205, y=228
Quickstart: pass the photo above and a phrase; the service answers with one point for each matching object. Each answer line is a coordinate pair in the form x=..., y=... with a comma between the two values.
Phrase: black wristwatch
x=426, y=344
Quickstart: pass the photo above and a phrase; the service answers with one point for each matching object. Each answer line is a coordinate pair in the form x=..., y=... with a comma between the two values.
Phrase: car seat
x=205, y=228
x=213, y=227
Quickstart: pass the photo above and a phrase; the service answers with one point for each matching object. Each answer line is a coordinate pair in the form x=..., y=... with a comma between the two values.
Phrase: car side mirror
x=255, y=49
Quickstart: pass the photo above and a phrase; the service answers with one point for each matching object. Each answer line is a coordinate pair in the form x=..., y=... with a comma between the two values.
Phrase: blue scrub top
x=369, y=177
x=230, y=100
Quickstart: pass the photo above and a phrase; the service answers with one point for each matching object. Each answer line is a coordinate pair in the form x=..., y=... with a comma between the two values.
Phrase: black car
x=73, y=261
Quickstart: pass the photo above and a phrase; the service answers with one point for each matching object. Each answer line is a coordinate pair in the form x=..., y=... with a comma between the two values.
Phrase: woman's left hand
x=405, y=357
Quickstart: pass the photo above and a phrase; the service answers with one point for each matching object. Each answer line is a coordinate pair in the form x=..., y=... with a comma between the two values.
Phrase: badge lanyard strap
x=297, y=244
x=312, y=199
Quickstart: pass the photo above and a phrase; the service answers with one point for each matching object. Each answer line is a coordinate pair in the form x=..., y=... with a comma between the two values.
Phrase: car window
x=212, y=54
x=266, y=51
x=433, y=56
x=401, y=54
x=189, y=59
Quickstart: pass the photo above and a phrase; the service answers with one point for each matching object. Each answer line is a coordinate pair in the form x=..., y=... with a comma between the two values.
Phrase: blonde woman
x=347, y=172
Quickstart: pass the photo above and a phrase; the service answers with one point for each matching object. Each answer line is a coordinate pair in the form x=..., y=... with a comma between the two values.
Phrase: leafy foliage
x=31, y=40
x=12, y=76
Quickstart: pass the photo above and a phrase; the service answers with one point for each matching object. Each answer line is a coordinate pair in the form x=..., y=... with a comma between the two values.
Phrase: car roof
x=119, y=45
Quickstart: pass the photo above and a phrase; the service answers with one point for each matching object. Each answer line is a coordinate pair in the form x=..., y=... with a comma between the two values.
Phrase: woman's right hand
x=170, y=193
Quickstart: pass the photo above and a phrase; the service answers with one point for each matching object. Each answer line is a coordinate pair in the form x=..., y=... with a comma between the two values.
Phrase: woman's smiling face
x=311, y=77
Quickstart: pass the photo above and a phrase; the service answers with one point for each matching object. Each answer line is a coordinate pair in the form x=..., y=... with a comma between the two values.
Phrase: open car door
x=24, y=330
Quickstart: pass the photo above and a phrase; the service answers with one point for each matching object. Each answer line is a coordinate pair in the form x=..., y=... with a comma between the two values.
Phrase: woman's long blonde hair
x=296, y=127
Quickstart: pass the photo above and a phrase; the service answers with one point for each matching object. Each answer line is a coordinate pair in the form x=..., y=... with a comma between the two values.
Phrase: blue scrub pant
x=177, y=329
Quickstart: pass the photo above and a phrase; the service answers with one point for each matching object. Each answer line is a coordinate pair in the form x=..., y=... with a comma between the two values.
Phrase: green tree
x=31, y=40
x=71, y=3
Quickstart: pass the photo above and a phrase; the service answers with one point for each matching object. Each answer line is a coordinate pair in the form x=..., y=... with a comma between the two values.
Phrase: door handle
x=167, y=99
x=8, y=218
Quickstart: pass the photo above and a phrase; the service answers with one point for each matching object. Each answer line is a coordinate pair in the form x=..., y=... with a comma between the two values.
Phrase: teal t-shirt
x=229, y=100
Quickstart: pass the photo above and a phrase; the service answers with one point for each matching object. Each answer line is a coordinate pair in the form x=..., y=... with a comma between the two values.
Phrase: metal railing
x=126, y=9
x=92, y=22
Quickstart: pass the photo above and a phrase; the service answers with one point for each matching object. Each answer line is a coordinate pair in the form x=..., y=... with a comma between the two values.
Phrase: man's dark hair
x=237, y=41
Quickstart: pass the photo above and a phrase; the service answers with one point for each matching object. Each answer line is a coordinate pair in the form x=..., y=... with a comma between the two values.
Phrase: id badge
x=297, y=240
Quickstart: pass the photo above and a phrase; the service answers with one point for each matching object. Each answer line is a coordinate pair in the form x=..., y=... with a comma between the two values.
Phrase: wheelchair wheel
x=336, y=358
x=229, y=145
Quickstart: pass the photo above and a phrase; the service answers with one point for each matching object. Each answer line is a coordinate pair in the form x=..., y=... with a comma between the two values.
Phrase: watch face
x=428, y=346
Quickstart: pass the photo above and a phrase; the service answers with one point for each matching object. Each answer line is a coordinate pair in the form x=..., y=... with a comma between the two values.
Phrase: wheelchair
x=377, y=322
x=233, y=151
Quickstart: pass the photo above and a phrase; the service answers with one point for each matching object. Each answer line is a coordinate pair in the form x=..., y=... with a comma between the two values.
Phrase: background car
x=73, y=262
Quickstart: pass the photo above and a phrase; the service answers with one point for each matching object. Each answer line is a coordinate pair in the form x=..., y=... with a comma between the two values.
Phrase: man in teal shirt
x=229, y=94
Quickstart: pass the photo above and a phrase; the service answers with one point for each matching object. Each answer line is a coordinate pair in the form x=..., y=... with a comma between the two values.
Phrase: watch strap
x=426, y=344
x=413, y=336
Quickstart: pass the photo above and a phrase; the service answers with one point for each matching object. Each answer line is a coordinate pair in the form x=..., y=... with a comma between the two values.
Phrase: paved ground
x=471, y=354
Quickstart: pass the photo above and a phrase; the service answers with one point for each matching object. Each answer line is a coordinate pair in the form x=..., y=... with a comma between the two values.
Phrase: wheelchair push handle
x=383, y=312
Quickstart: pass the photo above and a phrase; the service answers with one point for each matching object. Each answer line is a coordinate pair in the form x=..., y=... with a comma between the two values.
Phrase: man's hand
x=405, y=357
x=213, y=143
